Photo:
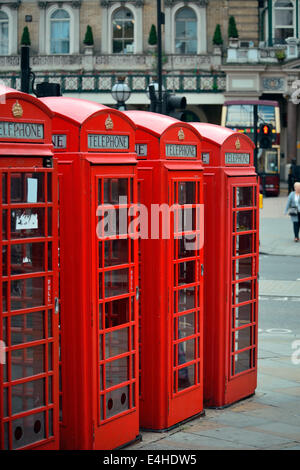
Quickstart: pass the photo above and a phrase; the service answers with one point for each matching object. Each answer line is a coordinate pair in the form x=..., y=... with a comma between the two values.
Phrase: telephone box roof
x=217, y=134
x=152, y=122
x=74, y=109
x=11, y=93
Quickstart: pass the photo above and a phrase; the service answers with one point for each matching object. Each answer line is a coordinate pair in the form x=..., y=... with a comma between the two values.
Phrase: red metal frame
x=29, y=379
x=228, y=167
x=171, y=366
x=96, y=414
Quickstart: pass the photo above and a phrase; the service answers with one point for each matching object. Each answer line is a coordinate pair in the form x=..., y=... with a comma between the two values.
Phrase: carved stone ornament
x=109, y=123
x=107, y=3
x=199, y=3
x=17, y=110
x=238, y=144
x=181, y=135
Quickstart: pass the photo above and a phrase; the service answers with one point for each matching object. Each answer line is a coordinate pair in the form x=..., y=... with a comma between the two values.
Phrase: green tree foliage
x=217, y=39
x=88, y=39
x=25, y=40
x=232, y=29
x=152, y=40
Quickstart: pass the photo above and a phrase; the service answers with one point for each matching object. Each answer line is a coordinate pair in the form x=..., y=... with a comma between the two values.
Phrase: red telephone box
x=95, y=147
x=171, y=310
x=29, y=277
x=231, y=265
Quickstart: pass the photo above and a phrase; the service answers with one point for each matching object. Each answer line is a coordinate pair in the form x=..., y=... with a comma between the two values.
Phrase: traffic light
x=174, y=106
x=265, y=137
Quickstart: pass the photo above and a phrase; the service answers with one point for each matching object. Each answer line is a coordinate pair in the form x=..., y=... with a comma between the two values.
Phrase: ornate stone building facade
x=193, y=66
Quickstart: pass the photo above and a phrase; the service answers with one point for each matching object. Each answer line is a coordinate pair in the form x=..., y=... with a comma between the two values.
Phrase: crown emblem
x=238, y=144
x=181, y=134
x=109, y=123
x=17, y=109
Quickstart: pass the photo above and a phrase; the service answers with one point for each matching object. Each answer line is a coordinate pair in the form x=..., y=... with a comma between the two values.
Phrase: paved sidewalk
x=276, y=229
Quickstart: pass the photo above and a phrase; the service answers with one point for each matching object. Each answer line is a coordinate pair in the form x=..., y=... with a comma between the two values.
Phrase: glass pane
x=27, y=188
x=116, y=342
x=186, y=273
x=27, y=396
x=186, y=377
x=244, y=196
x=186, y=325
x=284, y=17
x=114, y=188
x=243, y=292
x=27, y=223
x=117, y=401
x=27, y=293
x=4, y=188
x=4, y=260
x=242, y=361
x=244, y=244
x=186, y=299
x=117, y=372
x=28, y=430
x=185, y=247
x=243, y=268
x=26, y=258
x=186, y=192
x=27, y=327
x=5, y=402
x=116, y=252
x=27, y=362
x=49, y=187
x=243, y=315
x=244, y=221
x=4, y=224
x=243, y=338
x=186, y=219
x=4, y=296
x=116, y=313
x=116, y=282
x=186, y=351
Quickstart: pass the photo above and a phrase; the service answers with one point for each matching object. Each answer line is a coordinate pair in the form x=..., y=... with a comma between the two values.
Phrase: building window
x=60, y=32
x=284, y=20
x=3, y=33
x=123, y=31
x=185, y=31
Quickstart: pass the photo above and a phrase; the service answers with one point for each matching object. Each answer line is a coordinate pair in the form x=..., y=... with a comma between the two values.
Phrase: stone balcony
x=112, y=62
x=236, y=53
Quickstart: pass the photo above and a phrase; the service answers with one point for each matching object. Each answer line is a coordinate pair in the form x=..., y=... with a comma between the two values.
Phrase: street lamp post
x=121, y=93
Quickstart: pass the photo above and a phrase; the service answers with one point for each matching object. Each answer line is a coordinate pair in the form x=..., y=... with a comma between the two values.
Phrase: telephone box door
x=244, y=251
x=186, y=298
x=115, y=284
x=29, y=320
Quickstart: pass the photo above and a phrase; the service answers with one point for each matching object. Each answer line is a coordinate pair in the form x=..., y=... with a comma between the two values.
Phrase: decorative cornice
x=108, y=3
x=74, y=3
x=14, y=4
x=199, y=3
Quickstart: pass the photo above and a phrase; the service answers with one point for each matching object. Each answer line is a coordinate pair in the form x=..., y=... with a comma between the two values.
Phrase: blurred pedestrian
x=293, y=209
x=292, y=176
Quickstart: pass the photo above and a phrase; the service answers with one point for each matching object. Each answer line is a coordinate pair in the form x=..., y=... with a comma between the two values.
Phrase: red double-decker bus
x=239, y=116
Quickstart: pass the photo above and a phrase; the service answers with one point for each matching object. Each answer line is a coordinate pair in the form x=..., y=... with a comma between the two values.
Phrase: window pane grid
x=27, y=301
x=116, y=290
x=186, y=280
x=244, y=279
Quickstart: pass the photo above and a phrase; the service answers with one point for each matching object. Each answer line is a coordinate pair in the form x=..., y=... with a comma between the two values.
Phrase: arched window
x=186, y=31
x=60, y=32
x=123, y=31
x=3, y=33
x=284, y=20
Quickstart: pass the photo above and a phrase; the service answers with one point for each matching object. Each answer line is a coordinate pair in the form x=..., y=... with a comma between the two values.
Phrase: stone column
x=291, y=131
